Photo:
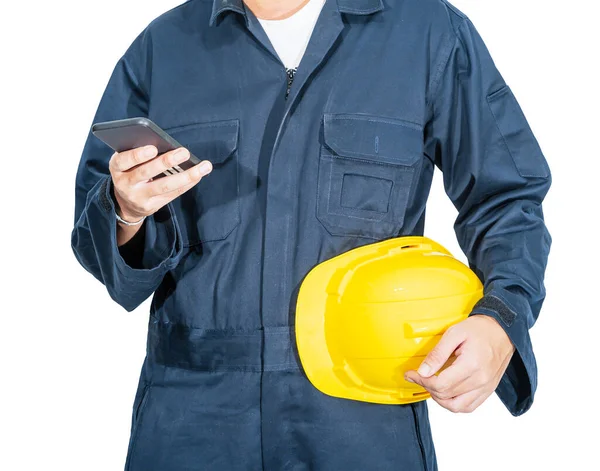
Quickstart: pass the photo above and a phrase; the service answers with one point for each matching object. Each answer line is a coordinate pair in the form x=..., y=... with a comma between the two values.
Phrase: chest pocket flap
x=366, y=170
x=367, y=137
x=210, y=210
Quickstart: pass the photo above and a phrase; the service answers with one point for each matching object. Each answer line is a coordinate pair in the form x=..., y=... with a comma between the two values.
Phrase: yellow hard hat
x=367, y=316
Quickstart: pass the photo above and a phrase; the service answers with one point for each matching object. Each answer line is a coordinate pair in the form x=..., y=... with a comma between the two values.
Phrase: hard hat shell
x=365, y=317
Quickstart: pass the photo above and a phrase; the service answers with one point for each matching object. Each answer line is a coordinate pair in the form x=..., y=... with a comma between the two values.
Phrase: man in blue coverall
x=299, y=168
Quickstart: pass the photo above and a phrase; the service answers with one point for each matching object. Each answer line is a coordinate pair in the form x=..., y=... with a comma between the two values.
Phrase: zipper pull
x=290, y=73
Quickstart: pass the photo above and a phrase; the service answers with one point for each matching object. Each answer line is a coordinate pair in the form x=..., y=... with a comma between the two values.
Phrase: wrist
x=125, y=233
x=128, y=222
x=497, y=326
x=124, y=218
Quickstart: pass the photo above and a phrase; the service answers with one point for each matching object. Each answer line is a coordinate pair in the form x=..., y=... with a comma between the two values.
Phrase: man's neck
x=274, y=9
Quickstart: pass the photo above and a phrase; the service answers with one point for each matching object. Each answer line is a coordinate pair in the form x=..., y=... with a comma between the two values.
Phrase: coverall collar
x=352, y=7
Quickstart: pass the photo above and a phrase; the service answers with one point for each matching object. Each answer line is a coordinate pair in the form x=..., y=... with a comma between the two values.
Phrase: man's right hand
x=137, y=194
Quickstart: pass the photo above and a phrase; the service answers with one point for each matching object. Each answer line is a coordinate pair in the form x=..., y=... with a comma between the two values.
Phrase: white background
x=70, y=356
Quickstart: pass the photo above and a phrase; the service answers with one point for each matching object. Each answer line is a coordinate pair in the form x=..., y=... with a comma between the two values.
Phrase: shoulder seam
x=436, y=79
x=139, y=84
x=445, y=57
x=455, y=10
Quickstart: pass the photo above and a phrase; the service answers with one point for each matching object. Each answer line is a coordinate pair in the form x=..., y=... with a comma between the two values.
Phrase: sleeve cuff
x=161, y=239
x=518, y=384
x=132, y=251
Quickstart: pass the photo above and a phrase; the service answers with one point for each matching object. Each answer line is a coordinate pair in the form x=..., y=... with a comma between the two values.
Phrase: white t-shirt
x=290, y=36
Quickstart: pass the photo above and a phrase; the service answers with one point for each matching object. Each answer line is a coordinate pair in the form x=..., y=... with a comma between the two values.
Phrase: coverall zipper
x=290, y=79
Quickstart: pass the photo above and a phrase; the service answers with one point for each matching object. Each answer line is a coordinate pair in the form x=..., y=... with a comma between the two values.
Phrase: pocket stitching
x=350, y=208
x=368, y=211
x=330, y=211
x=492, y=97
x=207, y=124
x=323, y=155
x=376, y=119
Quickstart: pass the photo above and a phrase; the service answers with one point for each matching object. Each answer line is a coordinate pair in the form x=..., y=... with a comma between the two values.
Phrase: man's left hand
x=482, y=350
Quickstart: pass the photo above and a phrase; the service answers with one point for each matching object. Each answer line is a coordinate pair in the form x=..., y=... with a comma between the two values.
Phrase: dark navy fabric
x=384, y=93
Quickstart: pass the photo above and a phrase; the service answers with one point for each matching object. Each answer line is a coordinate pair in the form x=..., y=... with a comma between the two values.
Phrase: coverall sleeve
x=496, y=175
x=132, y=272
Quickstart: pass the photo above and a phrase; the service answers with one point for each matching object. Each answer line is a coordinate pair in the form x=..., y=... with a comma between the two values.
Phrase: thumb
x=440, y=354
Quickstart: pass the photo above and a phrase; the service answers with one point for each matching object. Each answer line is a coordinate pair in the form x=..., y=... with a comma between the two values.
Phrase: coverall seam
x=349, y=234
x=455, y=10
x=376, y=119
x=439, y=73
x=233, y=369
x=138, y=424
x=349, y=155
x=236, y=332
x=444, y=64
x=140, y=85
x=418, y=437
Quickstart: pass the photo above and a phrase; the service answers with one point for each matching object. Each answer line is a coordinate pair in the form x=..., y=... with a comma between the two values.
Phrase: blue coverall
x=385, y=92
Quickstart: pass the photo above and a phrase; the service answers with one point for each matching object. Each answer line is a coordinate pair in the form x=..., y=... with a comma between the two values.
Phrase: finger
x=465, y=403
x=414, y=377
x=173, y=182
x=435, y=359
x=171, y=195
x=445, y=387
x=144, y=172
x=459, y=378
x=123, y=161
x=478, y=401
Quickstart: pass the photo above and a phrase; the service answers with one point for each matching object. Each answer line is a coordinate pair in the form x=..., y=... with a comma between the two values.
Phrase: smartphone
x=126, y=134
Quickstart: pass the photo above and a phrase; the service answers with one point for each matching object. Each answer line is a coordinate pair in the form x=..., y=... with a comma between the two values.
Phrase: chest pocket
x=210, y=210
x=367, y=166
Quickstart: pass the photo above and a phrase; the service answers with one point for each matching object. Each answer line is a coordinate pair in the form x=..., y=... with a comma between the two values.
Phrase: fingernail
x=424, y=369
x=408, y=379
x=149, y=151
x=205, y=168
x=181, y=155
